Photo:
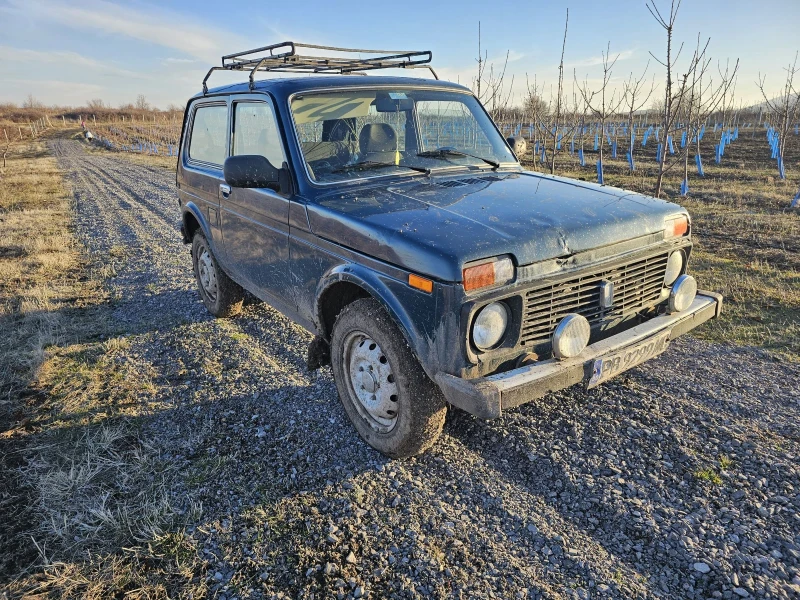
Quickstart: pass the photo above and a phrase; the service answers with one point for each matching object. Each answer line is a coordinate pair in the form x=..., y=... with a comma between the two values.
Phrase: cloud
x=11, y=55
x=595, y=61
x=146, y=23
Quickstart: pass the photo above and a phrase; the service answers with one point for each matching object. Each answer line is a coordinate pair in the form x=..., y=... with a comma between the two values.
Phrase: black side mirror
x=250, y=171
x=518, y=145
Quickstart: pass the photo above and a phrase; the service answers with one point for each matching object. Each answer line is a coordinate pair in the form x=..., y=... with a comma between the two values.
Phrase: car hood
x=433, y=226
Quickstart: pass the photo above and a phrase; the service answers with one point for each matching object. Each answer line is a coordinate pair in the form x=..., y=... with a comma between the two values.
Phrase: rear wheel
x=390, y=400
x=222, y=296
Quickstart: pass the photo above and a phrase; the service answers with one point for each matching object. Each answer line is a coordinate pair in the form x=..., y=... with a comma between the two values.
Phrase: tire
x=400, y=412
x=222, y=296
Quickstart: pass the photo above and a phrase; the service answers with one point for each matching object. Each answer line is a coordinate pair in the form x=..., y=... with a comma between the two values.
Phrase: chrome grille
x=637, y=285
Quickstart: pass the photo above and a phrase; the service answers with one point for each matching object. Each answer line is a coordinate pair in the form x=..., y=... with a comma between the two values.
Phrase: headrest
x=377, y=137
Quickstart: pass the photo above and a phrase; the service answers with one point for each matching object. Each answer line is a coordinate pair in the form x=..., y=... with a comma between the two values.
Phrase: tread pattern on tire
x=421, y=415
x=230, y=295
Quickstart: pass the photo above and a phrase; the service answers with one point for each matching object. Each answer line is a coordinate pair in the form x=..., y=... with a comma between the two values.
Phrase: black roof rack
x=283, y=57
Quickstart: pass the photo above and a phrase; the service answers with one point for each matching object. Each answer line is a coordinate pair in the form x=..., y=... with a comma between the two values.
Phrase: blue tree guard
x=580, y=157
x=684, y=187
x=600, y=172
x=572, y=145
x=796, y=202
x=658, y=153
x=717, y=153
x=629, y=156
x=683, y=140
x=614, y=149
x=596, y=145
x=699, y=162
x=669, y=143
x=781, y=170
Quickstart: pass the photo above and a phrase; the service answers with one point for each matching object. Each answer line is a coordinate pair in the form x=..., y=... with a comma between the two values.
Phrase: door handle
x=224, y=189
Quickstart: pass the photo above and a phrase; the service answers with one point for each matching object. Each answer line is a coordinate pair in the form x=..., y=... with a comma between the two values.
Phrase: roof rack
x=283, y=57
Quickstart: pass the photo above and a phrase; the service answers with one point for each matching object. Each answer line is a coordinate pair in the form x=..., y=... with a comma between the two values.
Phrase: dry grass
x=747, y=239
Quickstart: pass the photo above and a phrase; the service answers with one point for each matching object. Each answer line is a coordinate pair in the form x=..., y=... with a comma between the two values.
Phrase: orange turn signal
x=478, y=276
x=420, y=283
x=676, y=227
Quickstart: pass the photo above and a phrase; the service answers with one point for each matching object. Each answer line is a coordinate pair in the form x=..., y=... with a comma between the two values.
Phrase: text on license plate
x=607, y=367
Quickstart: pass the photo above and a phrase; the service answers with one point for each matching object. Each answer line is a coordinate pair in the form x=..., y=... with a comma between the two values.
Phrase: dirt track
x=581, y=494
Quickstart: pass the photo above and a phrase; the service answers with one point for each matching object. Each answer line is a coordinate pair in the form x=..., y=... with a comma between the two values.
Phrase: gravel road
x=678, y=480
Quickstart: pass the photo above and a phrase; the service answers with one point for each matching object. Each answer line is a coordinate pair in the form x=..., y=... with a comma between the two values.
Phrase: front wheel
x=390, y=400
x=222, y=296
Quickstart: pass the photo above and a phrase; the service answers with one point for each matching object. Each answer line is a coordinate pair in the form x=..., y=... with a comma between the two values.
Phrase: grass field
x=67, y=426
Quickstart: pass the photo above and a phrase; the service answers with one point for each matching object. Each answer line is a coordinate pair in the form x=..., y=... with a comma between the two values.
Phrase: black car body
x=309, y=248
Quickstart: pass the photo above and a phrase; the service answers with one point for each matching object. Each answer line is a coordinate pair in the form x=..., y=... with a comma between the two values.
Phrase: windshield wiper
x=365, y=165
x=445, y=152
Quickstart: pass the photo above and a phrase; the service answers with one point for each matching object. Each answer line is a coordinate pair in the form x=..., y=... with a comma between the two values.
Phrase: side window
x=255, y=131
x=209, y=129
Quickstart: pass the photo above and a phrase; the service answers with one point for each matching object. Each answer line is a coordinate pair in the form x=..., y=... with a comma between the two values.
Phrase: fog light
x=674, y=267
x=571, y=336
x=682, y=294
x=490, y=325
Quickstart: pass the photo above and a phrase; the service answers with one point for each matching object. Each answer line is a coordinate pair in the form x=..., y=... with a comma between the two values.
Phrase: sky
x=70, y=52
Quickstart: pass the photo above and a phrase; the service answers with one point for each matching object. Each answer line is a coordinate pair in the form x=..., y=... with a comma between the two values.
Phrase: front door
x=255, y=222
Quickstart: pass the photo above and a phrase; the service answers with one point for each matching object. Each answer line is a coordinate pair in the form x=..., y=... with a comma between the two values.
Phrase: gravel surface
x=679, y=479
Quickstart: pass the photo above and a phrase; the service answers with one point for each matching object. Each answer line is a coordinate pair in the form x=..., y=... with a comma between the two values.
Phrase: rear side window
x=209, y=130
x=256, y=132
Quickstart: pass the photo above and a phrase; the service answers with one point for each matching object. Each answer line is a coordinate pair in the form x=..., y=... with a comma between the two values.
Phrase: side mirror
x=518, y=145
x=250, y=171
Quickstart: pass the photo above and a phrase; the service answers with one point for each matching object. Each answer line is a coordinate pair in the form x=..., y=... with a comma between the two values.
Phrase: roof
x=290, y=85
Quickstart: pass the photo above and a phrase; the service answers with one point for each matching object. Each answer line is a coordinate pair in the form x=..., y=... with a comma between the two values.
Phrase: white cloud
x=595, y=61
x=12, y=55
x=145, y=23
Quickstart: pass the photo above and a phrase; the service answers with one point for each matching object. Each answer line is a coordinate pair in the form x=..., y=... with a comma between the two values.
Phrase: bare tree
x=674, y=90
x=31, y=102
x=601, y=106
x=6, y=148
x=489, y=83
x=704, y=98
x=551, y=131
x=536, y=110
x=635, y=100
x=142, y=103
x=95, y=104
x=785, y=105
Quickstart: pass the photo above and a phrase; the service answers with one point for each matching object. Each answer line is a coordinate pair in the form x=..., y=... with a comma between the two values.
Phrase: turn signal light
x=676, y=227
x=420, y=283
x=487, y=274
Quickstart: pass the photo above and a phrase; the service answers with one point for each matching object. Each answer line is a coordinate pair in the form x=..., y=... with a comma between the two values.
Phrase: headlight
x=495, y=272
x=674, y=267
x=571, y=336
x=682, y=294
x=490, y=325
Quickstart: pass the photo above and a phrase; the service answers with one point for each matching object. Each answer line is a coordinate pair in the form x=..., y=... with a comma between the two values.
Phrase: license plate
x=609, y=366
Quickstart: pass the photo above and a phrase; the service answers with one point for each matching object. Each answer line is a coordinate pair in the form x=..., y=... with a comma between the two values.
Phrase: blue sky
x=69, y=52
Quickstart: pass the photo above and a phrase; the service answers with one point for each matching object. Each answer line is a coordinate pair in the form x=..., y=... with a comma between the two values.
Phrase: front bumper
x=487, y=397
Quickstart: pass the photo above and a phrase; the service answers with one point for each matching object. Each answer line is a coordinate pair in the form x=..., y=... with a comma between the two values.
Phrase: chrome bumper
x=486, y=397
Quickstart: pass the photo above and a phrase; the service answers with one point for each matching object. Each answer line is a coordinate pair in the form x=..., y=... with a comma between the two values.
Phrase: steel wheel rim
x=371, y=382
x=207, y=274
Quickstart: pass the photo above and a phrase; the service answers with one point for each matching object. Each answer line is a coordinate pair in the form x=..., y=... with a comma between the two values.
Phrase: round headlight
x=682, y=294
x=571, y=336
x=674, y=267
x=490, y=325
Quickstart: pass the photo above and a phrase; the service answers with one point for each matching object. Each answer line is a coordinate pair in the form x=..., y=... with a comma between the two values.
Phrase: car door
x=205, y=152
x=255, y=221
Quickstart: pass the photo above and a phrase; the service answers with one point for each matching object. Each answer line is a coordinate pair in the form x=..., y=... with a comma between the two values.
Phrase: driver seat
x=378, y=142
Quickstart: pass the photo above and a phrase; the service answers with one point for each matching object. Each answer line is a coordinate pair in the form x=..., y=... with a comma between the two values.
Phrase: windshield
x=360, y=133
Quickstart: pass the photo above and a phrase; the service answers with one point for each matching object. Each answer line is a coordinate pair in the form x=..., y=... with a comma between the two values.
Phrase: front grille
x=637, y=285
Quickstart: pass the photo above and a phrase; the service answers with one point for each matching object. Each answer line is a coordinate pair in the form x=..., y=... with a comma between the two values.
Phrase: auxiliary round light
x=674, y=267
x=682, y=294
x=490, y=325
x=571, y=336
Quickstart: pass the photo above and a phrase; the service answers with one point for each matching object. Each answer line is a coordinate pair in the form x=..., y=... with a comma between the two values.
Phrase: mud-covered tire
x=222, y=296
x=420, y=406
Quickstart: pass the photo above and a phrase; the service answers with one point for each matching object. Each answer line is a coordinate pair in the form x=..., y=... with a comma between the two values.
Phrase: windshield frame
x=446, y=167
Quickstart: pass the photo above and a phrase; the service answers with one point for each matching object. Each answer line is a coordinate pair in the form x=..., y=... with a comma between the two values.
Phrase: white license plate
x=609, y=366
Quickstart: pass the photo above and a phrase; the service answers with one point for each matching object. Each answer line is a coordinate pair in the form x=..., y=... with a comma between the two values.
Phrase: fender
x=376, y=284
x=192, y=208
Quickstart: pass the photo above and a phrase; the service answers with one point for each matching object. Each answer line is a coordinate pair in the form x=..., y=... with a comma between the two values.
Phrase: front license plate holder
x=613, y=364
